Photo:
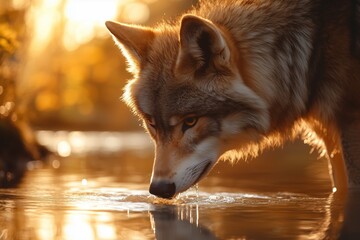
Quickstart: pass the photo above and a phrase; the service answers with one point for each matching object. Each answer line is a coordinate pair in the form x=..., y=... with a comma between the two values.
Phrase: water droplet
x=197, y=191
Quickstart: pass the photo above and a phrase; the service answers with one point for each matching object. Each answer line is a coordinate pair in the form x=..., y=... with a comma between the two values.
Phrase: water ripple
x=123, y=199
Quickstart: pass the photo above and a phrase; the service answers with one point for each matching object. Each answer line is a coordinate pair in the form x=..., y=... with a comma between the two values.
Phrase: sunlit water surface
x=103, y=195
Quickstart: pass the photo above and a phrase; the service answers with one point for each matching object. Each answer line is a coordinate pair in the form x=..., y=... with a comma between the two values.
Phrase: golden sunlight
x=44, y=15
x=84, y=20
x=78, y=227
x=136, y=12
x=77, y=22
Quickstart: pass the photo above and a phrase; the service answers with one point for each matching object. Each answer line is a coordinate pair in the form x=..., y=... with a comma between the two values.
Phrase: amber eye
x=189, y=122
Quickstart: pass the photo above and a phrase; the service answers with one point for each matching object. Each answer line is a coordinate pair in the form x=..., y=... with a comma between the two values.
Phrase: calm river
x=95, y=187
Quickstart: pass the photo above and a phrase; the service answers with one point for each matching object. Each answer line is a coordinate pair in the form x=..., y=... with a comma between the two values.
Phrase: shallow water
x=103, y=194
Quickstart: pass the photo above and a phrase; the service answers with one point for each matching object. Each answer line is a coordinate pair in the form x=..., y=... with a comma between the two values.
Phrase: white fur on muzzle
x=189, y=170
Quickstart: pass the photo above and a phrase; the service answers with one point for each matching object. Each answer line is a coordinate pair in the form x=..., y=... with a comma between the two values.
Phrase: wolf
x=230, y=78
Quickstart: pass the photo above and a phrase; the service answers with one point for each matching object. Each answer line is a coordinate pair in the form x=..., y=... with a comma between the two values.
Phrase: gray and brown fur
x=273, y=69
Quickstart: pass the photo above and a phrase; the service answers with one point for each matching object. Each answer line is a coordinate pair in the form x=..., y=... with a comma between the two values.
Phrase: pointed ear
x=202, y=45
x=134, y=40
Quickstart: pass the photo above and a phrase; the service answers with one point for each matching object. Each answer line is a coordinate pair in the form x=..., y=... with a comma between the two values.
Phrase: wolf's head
x=190, y=91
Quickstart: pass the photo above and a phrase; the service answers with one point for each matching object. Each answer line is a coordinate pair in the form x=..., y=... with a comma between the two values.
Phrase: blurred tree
x=8, y=45
x=17, y=142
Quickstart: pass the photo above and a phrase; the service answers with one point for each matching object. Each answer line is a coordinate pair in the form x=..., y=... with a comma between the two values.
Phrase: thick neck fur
x=275, y=47
x=284, y=49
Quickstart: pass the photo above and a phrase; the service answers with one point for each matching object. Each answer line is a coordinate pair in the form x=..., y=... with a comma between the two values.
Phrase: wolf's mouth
x=203, y=173
x=192, y=175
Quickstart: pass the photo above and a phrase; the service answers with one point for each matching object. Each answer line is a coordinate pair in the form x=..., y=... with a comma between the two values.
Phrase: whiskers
x=198, y=170
x=193, y=174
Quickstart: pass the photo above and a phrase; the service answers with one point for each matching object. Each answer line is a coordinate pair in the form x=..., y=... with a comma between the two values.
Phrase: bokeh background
x=67, y=71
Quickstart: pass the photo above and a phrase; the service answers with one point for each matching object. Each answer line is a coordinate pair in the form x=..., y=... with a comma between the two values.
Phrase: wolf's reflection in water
x=178, y=222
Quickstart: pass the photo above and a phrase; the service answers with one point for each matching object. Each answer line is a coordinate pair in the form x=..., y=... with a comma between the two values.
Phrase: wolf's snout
x=163, y=189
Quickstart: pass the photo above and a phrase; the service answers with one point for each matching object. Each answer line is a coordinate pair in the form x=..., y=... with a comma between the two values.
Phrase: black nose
x=163, y=189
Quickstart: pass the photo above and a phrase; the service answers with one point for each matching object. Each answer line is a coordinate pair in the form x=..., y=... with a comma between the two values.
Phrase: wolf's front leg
x=337, y=168
x=337, y=172
x=350, y=141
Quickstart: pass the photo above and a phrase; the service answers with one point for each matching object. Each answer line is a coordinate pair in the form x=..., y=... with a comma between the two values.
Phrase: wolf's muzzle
x=163, y=189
